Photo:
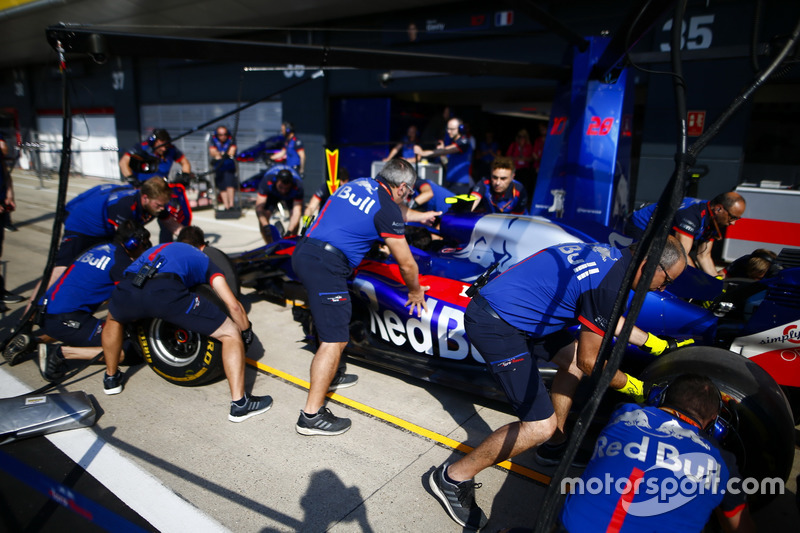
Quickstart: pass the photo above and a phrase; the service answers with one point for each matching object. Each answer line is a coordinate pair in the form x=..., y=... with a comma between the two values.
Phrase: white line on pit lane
x=138, y=489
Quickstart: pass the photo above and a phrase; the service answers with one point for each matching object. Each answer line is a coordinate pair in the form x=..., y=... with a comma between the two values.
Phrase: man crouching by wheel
x=157, y=286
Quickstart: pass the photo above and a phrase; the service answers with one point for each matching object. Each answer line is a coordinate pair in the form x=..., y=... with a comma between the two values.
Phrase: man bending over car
x=359, y=213
x=158, y=285
x=524, y=314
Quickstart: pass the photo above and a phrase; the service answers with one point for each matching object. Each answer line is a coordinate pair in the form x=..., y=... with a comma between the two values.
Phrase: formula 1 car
x=748, y=331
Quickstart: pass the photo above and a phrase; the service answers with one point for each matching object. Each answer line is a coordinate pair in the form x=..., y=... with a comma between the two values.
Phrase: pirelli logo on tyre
x=209, y=352
x=142, y=336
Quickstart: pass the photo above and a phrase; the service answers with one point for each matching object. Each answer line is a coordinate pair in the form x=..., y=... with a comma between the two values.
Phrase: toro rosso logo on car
x=439, y=331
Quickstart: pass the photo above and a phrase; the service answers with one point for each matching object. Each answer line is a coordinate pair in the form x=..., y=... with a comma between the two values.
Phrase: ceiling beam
x=101, y=45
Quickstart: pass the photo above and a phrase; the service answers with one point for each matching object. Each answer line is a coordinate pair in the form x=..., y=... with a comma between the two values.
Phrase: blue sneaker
x=113, y=384
x=255, y=405
x=458, y=499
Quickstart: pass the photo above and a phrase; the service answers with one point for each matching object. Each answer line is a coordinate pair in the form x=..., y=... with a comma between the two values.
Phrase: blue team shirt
x=359, y=213
x=293, y=146
x=458, y=164
x=89, y=281
x=171, y=155
x=692, y=219
x=100, y=210
x=408, y=149
x=560, y=287
x=513, y=200
x=437, y=203
x=191, y=265
x=226, y=163
x=652, y=446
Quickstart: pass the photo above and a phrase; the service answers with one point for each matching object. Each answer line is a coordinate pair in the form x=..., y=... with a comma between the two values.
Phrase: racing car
x=748, y=329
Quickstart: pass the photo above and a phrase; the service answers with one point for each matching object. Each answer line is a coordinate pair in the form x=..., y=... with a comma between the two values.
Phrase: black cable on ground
x=75, y=371
x=63, y=181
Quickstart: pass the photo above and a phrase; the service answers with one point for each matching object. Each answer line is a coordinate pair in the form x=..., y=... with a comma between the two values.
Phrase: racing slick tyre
x=180, y=356
x=762, y=426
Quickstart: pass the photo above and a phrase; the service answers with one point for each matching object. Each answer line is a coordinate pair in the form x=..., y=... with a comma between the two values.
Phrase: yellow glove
x=634, y=388
x=305, y=223
x=661, y=345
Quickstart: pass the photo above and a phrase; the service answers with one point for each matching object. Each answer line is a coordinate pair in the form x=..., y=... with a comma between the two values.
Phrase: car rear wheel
x=181, y=356
x=178, y=355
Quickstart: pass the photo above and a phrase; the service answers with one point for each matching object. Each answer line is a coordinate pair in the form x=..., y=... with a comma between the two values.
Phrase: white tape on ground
x=141, y=491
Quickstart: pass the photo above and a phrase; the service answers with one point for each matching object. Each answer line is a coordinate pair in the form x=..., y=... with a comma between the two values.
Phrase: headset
x=136, y=239
x=766, y=257
x=159, y=134
x=717, y=428
x=287, y=126
x=461, y=129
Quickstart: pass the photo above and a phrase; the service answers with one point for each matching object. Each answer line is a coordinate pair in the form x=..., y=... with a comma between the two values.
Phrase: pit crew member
x=500, y=192
x=430, y=196
x=293, y=153
x=68, y=305
x=696, y=225
x=524, y=314
x=158, y=285
x=7, y=205
x=94, y=215
x=406, y=148
x=459, y=155
x=222, y=150
x=153, y=157
x=358, y=214
x=681, y=419
x=285, y=186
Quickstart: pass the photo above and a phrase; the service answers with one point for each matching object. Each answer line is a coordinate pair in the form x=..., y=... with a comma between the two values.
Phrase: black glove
x=248, y=336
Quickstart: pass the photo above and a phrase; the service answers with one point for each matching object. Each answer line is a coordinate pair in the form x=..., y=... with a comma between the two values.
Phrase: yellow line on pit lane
x=399, y=422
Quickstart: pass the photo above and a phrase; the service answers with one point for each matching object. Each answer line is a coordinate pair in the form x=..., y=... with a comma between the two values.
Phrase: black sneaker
x=458, y=499
x=113, y=384
x=11, y=298
x=342, y=381
x=255, y=406
x=324, y=423
x=17, y=348
x=51, y=362
x=548, y=455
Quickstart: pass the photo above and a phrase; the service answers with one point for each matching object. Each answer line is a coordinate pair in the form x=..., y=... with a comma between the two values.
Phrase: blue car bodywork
x=435, y=346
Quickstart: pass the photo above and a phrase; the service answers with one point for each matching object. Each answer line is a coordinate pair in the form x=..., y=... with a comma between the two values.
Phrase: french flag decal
x=504, y=18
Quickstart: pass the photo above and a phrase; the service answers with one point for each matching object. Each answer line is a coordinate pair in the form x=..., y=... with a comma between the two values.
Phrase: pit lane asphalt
x=170, y=454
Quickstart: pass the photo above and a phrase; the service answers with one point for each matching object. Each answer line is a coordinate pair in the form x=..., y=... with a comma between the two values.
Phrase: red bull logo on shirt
x=363, y=203
x=98, y=262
